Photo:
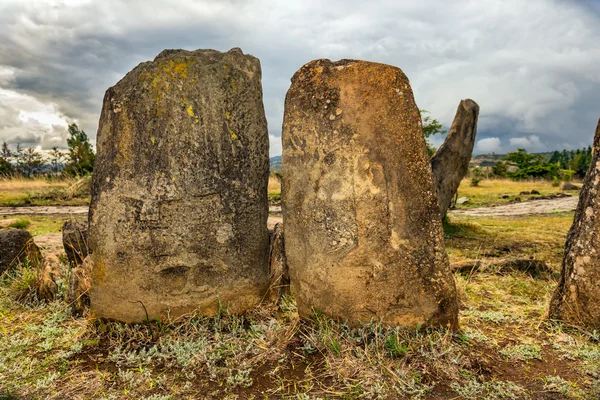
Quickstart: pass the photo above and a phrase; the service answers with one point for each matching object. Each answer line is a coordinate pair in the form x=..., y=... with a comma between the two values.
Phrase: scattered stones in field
x=363, y=232
x=534, y=192
x=462, y=200
x=569, y=186
x=17, y=246
x=577, y=297
x=450, y=163
x=534, y=268
x=79, y=286
x=75, y=241
x=178, y=218
x=51, y=272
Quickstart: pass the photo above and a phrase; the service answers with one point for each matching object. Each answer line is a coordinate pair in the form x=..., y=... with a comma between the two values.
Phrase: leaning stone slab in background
x=363, y=236
x=278, y=269
x=178, y=218
x=79, y=286
x=577, y=297
x=75, y=242
x=17, y=246
x=450, y=163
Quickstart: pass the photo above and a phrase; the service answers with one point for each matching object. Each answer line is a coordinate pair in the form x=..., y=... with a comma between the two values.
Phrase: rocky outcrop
x=51, y=272
x=79, y=286
x=577, y=297
x=178, y=217
x=363, y=235
x=75, y=242
x=17, y=246
x=450, y=163
x=278, y=269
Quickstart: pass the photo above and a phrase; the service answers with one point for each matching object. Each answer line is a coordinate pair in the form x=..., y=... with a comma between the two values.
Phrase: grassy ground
x=43, y=192
x=506, y=349
x=39, y=224
x=490, y=192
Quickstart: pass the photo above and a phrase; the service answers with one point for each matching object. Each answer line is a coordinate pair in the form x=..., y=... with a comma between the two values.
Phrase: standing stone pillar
x=178, y=218
x=577, y=297
x=450, y=163
x=362, y=224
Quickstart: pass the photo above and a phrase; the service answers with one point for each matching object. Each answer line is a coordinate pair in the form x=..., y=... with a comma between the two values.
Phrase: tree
x=500, y=169
x=5, y=152
x=56, y=159
x=5, y=165
x=530, y=166
x=81, y=153
x=431, y=127
x=31, y=162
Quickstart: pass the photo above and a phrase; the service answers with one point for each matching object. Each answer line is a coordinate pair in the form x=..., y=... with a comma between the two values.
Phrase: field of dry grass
x=490, y=192
x=16, y=192
x=505, y=348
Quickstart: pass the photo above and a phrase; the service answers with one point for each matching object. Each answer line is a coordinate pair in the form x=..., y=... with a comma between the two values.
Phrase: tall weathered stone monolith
x=450, y=163
x=577, y=297
x=363, y=235
x=178, y=219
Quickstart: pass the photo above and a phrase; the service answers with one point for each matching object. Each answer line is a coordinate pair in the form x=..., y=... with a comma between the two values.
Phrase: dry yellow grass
x=42, y=191
x=29, y=185
x=274, y=185
x=490, y=191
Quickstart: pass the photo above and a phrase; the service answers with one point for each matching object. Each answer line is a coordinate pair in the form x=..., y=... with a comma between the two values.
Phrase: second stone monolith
x=363, y=233
x=178, y=218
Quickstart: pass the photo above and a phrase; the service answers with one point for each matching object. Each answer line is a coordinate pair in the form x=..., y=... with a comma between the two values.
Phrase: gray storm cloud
x=531, y=66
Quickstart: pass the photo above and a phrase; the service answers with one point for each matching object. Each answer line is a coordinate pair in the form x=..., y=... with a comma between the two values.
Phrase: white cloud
x=531, y=66
x=487, y=145
x=531, y=143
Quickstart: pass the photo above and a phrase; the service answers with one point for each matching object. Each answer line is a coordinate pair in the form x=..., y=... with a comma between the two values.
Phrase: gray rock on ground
x=50, y=273
x=79, y=286
x=278, y=269
x=569, y=186
x=577, y=297
x=75, y=241
x=450, y=163
x=178, y=217
x=363, y=234
x=17, y=246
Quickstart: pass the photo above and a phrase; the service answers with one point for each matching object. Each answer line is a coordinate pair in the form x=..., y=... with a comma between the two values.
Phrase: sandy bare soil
x=523, y=208
x=44, y=210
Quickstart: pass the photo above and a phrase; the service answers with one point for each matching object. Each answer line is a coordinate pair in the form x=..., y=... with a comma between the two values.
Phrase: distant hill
x=276, y=163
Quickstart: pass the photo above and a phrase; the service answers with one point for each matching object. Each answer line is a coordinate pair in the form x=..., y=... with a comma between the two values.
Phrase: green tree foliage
x=5, y=152
x=5, y=165
x=81, y=153
x=530, y=166
x=500, y=169
x=431, y=127
x=30, y=162
x=56, y=159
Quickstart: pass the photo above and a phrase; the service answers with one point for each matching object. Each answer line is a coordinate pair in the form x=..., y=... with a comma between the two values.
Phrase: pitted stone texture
x=577, y=297
x=17, y=246
x=75, y=242
x=363, y=236
x=178, y=219
x=450, y=163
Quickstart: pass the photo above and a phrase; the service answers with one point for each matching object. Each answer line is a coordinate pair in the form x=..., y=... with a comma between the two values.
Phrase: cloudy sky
x=532, y=65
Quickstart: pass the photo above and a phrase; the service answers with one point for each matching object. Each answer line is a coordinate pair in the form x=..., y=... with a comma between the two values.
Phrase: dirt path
x=44, y=210
x=524, y=208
